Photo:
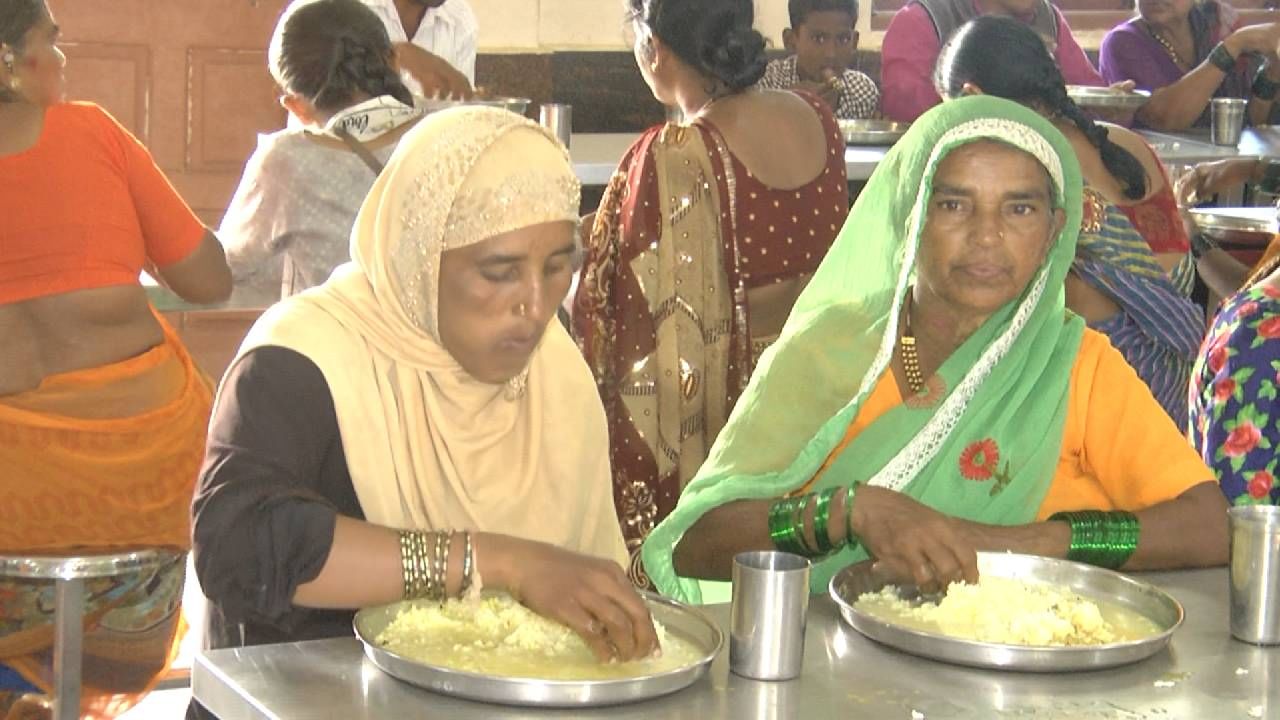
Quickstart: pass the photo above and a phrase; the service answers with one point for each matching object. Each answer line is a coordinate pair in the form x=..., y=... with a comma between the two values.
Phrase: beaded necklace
x=910, y=355
x=1168, y=46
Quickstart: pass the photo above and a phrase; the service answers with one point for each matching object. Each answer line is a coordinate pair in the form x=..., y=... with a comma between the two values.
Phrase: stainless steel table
x=1203, y=675
x=596, y=156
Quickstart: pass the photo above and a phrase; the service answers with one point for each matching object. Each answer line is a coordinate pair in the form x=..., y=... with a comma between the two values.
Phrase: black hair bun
x=730, y=51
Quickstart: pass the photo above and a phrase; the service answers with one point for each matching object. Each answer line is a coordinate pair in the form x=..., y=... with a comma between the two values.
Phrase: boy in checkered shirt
x=823, y=42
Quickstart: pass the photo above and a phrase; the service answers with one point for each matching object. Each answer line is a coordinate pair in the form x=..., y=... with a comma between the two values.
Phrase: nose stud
x=521, y=310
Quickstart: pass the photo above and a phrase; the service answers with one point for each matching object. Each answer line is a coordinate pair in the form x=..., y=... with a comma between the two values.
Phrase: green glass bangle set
x=1105, y=539
x=787, y=523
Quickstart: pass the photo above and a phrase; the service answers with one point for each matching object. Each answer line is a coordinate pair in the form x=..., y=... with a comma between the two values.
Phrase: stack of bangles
x=787, y=523
x=424, y=562
x=1105, y=539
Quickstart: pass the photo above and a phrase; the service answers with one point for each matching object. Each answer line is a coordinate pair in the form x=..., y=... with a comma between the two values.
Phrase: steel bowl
x=1236, y=219
x=1088, y=581
x=681, y=620
x=514, y=104
x=872, y=132
x=1102, y=97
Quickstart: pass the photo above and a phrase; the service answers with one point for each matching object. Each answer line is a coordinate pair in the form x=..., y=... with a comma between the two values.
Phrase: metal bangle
x=1222, y=59
x=1263, y=87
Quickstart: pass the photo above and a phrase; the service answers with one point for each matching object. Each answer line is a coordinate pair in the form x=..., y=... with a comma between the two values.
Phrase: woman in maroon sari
x=706, y=234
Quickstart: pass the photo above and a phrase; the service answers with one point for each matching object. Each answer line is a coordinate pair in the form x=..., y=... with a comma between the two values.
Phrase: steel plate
x=514, y=104
x=872, y=132
x=1236, y=219
x=1101, y=97
x=681, y=620
x=1090, y=582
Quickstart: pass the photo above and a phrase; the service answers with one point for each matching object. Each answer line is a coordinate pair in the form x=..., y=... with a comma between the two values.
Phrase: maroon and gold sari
x=683, y=232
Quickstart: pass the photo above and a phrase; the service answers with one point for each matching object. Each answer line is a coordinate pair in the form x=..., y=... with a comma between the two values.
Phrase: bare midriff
x=73, y=331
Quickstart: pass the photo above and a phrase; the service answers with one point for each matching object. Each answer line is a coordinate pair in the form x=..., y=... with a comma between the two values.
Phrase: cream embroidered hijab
x=427, y=445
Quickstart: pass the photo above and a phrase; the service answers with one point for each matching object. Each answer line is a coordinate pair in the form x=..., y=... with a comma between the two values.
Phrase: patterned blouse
x=1233, y=420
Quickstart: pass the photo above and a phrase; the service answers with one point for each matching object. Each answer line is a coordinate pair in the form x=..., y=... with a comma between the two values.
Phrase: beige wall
x=533, y=25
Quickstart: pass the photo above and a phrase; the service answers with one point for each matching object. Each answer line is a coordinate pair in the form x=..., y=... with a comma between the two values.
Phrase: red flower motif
x=1260, y=484
x=1269, y=328
x=1241, y=440
x=979, y=459
x=1223, y=389
x=1271, y=292
x=1247, y=309
x=1218, y=357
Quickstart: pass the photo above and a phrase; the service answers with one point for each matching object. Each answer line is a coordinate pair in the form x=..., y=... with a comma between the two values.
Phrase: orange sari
x=104, y=457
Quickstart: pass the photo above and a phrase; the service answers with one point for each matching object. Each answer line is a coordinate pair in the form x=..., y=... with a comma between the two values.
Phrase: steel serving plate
x=1215, y=220
x=514, y=104
x=681, y=620
x=1102, y=97
x=1088, y=581
x=872, y=132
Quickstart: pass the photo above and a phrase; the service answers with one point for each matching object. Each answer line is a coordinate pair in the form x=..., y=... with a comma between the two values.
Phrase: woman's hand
x=1211, y=178
x=1262, y=39
x=912, y=540
x=436, y=76
x=589, y=595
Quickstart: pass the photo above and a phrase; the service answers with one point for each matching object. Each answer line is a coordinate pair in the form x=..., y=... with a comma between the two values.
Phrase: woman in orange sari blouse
x=102, y=412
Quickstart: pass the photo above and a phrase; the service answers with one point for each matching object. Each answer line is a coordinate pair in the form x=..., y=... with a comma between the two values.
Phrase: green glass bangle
x=850, y=538
x=821, y=519
x=781, y=529
x=797, y=526
x=1105, y=539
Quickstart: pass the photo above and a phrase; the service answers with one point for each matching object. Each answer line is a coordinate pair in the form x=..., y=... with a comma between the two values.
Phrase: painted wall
x=533, y=25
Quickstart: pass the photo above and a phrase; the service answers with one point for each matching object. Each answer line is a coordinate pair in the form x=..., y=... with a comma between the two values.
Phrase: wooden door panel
x=116, y=76
x=189, y=77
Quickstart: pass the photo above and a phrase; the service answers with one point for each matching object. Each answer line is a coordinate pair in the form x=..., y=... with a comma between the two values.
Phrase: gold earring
x=521, y=310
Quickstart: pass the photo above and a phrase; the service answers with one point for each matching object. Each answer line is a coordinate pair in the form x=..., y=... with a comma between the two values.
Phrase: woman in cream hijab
x=417, y=425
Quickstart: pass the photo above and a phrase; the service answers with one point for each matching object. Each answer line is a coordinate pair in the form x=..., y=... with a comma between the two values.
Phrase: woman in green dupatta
x=947, y=279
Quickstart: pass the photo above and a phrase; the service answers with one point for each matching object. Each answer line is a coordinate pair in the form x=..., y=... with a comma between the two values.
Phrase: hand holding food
x=913, y=541
x=1210, y=178
x=590, y=595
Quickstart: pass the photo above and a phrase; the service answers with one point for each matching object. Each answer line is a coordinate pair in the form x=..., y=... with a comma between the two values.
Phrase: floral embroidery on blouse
x=1233, y=423
x=980, y=461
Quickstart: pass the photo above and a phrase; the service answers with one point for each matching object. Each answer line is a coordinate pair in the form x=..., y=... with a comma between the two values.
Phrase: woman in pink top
x=916, y=34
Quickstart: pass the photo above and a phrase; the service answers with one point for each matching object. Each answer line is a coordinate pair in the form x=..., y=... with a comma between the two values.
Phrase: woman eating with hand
x=1187, y=52
x=931, y=396
x=420, y=409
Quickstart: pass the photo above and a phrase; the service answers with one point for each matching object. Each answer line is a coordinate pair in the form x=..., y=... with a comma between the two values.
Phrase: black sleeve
x=273, y=482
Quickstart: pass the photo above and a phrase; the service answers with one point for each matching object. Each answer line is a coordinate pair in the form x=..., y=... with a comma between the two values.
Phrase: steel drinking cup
x=558, y=118
x=770, y=602
x=1227, y=118
x=1255, y=573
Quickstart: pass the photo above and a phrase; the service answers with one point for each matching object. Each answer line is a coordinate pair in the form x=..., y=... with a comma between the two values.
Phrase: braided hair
x=1007, y=59
x=715, y=37
x=17, y=17
x=329, y=50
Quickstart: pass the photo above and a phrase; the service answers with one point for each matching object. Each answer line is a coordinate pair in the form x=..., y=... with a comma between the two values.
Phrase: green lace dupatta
x=1003, y=392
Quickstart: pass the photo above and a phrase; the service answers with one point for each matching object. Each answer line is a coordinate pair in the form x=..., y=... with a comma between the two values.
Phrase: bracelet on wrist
x=1264, y=88
x=1222, y=58
x=1105, y=539
x=788, y=527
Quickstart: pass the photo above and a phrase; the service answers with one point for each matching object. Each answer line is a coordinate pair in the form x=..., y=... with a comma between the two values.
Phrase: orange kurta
x=1120, y=450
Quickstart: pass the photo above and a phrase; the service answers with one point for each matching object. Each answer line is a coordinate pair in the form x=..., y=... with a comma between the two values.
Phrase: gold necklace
x=910, y=355
x=1168, y=46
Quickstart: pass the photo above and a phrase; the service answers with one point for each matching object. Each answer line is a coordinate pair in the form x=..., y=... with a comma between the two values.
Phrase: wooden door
x=188, y=77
